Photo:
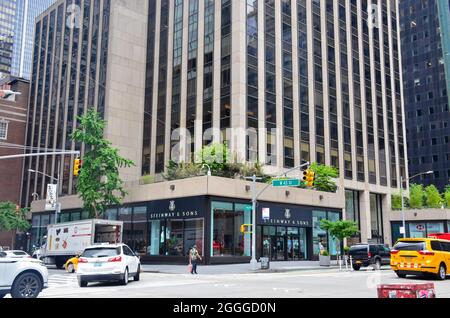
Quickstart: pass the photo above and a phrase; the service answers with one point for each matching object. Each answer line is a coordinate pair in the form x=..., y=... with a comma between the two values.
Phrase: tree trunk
x=13, y=236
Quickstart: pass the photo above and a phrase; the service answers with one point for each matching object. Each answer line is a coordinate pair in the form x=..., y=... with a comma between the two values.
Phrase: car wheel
x=400, y=275
x=125, y=277
x=70, y=268
x=27, y=285
x=82, y=283
x=442, y=273
x=356, y=267
x=137, y=277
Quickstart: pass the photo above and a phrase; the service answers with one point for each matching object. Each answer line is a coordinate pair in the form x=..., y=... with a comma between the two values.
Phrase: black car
x=364, y=255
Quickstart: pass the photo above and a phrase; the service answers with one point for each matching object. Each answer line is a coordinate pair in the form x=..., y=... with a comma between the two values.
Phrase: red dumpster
x=407, y=291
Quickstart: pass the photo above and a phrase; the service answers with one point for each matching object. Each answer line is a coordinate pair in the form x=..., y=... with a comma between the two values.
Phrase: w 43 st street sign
x=286, y=183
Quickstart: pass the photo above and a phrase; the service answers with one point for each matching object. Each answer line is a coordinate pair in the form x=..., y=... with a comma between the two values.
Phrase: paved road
x=301, y=284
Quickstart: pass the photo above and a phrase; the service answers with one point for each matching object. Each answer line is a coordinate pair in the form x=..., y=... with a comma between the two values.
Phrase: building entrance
x=284, y=243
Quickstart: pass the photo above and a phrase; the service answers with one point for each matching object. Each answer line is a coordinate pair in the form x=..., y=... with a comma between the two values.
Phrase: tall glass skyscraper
x=26, y=12
x=7, y=13
x=425, y=52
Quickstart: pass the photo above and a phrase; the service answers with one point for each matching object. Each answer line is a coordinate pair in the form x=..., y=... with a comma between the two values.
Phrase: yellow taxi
x=72, y=264
x=421, y=256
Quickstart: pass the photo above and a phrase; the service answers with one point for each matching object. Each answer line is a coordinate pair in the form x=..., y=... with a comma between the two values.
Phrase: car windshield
x=101, y=252
x=410, y=246
x=358, y=248
x=19, y=253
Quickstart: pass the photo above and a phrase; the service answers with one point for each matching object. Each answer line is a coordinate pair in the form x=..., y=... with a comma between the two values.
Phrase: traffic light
x=309, y=177
x=77, y=167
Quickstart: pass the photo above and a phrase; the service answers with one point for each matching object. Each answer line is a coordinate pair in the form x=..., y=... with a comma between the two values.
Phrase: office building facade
x=425, y=38
x=323, y=75
x=26, y=12
x=7, y=18
x=315, y=81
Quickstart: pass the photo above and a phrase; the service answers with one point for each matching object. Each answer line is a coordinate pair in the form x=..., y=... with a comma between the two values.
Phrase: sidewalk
x=275, y=267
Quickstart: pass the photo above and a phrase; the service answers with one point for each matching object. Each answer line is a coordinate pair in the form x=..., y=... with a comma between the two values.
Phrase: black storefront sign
x=182, y=208
x=284, y=215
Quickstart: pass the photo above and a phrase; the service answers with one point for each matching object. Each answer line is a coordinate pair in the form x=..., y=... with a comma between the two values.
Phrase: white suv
x=112, y=262
x=22, y=277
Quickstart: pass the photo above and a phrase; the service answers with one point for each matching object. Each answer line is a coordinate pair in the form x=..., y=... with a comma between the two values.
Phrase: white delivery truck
x=66, y=240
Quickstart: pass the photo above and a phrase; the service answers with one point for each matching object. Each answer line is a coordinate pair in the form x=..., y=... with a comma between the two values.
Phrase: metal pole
x=253, y=262
x=403, y=206
x=58, y=205
x=41, y=154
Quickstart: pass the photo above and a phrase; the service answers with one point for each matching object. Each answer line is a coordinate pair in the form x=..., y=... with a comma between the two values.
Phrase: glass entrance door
x=284, y=243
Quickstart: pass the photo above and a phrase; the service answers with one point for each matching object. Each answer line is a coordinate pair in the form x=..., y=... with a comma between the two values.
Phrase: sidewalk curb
x=259, y=271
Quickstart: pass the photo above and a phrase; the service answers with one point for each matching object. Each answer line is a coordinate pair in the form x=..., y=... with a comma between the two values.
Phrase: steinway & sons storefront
x=163, y=231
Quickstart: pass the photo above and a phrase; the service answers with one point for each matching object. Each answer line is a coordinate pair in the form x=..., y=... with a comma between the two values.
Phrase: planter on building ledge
x=324, y=259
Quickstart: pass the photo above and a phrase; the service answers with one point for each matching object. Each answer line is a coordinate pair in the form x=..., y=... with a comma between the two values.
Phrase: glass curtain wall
x=227, y=239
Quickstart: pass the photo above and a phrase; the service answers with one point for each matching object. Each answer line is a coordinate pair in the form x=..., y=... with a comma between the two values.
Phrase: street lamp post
x=57, y=204
x=403, y=200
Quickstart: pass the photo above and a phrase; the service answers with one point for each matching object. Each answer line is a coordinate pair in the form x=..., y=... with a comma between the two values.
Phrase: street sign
x=286, y=183
x=266, y=213
x=50, y=202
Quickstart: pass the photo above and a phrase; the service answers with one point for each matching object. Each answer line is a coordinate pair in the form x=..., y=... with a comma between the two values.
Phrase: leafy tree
x=416, y=196
x=13, y=219
x=433, y=197
x=396, y=202
x=339, y=230
x=324, y=177
x=99, y=183
x=217, y=157
x=447, y=196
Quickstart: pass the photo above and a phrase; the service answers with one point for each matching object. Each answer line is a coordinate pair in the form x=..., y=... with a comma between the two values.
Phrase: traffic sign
x=286, y=183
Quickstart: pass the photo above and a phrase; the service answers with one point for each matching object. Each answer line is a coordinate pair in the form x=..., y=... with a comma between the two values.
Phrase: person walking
x=194, y=256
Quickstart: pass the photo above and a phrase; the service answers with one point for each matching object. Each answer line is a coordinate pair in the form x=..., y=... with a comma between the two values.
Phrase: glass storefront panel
x=174, y=237
x=333, y=216
x=110, y=214
x=435, y=228
x=227, y=239
x=376, y=218
x=125, y=215
x=417, y=230
x=140, y=236
x=75, y=216
x=45, y=219
x=320, y=241
x=155, y=238
x=64, y=217
x=193, y=235
x=352, y=213
x=85, y=215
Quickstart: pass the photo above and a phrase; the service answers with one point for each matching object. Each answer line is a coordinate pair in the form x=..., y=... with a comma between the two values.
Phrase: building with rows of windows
x=282, y=82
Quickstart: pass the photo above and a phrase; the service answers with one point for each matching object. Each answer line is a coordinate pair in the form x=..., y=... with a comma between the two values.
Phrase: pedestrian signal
x=246, y=228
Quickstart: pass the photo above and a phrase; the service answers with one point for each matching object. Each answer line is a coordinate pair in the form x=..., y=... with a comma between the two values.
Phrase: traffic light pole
x=255, y=196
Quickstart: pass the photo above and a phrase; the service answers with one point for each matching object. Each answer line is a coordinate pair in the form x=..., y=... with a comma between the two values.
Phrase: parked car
x=421, y=256
x=22, y=277
x=17, y=254
x=364, y=255
x=72, y=264
x=111, y=262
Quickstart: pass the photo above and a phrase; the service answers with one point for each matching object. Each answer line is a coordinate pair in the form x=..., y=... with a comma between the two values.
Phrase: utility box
x=265, y=263
x=407, y=291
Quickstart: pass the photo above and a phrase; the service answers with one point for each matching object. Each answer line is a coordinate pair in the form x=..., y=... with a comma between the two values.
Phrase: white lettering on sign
x=169, y=215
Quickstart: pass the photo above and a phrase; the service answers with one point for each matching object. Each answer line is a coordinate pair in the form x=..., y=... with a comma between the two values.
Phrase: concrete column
x=386, y=209
x=364, y=205
x=238, y=78
x=262, y=134
x=198, y=130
